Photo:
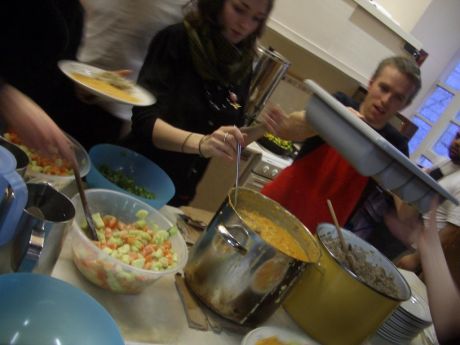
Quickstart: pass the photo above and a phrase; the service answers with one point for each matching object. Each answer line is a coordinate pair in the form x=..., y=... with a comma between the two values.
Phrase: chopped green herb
x=125, y=182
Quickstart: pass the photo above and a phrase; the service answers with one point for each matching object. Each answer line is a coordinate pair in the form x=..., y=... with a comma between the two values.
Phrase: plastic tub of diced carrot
x=51, y=169
x=136, y=244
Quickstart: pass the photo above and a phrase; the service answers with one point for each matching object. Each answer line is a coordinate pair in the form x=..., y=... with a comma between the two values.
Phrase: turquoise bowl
x=38, y=309
x=142, y=170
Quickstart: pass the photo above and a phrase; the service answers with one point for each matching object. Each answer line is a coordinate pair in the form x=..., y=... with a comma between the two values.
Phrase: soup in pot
x=274, y=234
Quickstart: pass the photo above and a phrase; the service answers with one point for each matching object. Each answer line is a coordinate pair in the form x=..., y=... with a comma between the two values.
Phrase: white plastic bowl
x=104, y=270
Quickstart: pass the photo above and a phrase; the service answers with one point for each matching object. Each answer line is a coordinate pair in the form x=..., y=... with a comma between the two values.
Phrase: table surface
x=156, y=315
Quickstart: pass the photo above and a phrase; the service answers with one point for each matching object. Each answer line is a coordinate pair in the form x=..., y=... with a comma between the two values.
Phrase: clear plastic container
x=101, y=268
x=60, y=182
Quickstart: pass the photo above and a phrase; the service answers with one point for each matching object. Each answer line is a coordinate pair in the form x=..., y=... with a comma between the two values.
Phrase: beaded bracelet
x=183, y=143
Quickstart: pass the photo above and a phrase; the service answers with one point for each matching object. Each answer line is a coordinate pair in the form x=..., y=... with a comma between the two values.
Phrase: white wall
x=406, y=12
x=438, y=30
x=340, y=32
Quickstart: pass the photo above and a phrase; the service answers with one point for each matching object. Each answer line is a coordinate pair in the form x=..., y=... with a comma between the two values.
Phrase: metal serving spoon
x=238, y=158
x=84, y=203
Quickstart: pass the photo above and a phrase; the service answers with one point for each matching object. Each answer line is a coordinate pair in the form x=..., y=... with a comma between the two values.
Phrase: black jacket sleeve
x=158, y=75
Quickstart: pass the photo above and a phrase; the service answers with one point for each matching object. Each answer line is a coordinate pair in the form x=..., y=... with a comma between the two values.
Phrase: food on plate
x=115, y=80
x=369, y=273
x=108, y=83
x=274, y=234
x=40, y=163
x=125, y=182
x=274, y=340
x=140, y=244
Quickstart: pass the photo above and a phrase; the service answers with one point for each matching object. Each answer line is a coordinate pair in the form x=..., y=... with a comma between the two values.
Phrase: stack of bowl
x=407, y=321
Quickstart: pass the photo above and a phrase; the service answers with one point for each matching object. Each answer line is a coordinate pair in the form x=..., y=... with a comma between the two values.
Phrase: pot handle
x=230, y=239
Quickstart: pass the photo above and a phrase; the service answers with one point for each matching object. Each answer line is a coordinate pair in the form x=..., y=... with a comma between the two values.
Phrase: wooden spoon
x=346, y=250
x=84, y=203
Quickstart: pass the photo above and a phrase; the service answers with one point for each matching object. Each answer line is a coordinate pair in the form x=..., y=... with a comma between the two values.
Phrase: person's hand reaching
x=35, y=128
x=274, y=119
x=222, y=143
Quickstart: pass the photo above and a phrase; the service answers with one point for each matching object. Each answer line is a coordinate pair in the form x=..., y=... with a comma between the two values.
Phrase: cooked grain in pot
x=369, y=273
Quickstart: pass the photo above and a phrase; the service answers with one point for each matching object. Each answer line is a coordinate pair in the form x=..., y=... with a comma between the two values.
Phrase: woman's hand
x=222, y=143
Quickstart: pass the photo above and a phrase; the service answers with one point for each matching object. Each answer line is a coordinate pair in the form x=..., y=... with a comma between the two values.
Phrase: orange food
x=104, y=87
x=274, y=234
x=273, y=340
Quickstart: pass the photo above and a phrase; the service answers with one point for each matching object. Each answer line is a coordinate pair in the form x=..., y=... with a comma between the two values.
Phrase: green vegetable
x=284, y=144
x=97, y=219
x=142, y=214
x=125, y=182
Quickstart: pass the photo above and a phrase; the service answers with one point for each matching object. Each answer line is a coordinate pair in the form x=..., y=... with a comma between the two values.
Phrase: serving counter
x=156, y=315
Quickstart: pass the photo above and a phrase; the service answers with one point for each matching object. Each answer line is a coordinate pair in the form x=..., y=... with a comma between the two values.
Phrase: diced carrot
x=133, y=255
x=111, y=245
x=130, y=240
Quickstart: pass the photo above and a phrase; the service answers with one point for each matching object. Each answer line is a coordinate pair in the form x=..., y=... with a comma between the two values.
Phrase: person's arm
x=221, y=143
x=294, y=127
x=403, y=209
x=443, y=294
x=155, y=124
x=412, y=261
x=32, y=124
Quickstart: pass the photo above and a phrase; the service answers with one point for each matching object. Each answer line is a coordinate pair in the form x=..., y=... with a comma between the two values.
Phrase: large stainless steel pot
x=270, y=68
x=235, y=272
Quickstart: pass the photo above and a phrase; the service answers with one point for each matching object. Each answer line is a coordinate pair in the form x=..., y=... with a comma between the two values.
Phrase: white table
x=156, y=315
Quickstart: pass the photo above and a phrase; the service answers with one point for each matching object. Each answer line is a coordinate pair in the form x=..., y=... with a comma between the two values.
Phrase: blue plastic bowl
x=134, y=165
x=38, y=309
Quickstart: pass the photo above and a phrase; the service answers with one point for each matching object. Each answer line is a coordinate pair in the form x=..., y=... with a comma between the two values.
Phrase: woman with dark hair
x=200, y=71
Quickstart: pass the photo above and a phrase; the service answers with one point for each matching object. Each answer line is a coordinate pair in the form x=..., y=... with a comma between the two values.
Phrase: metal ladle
x=238, y=158
x=84, y=204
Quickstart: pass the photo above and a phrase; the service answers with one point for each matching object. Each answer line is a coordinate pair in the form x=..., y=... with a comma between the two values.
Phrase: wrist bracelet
x=183, y=143
x=199, y=145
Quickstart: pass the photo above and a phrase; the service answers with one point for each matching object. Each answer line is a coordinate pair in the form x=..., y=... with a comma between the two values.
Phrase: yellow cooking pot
x=334, y=305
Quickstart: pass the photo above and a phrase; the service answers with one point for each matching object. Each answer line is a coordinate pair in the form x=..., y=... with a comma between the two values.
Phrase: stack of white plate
x=407, y=321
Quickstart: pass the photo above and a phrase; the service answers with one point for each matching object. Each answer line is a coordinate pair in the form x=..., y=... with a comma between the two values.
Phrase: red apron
x=304, y=187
